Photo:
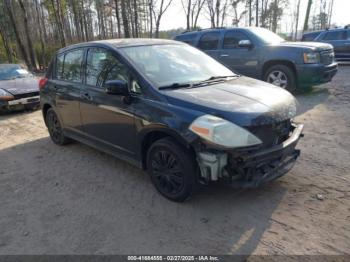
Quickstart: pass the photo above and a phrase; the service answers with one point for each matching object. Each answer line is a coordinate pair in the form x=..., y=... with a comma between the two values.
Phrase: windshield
x=8, y=72
x=168, y=64
x=267, y=36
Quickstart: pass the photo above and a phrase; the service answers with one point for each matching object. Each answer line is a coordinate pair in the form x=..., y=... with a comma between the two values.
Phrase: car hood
x=307, y=45
x=243, y=101
x=20, y=85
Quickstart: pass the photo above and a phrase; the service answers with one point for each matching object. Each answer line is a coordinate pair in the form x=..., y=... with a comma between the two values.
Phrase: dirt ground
x=76, y=200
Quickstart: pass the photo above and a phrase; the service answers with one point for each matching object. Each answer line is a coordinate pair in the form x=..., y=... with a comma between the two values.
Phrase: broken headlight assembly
x=221, y=132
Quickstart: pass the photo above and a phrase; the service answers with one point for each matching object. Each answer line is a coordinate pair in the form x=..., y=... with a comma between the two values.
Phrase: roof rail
x=204, y=29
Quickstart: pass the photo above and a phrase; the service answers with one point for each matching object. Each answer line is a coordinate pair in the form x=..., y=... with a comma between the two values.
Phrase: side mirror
x=117, y=87
x=245, y=44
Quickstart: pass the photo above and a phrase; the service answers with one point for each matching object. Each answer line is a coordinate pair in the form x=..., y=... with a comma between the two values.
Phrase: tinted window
x=103, y=66
x=348, y=34
x=336, y=35
x=68, y=66
x=209, y=41
x=232, y=39
x=187, y=38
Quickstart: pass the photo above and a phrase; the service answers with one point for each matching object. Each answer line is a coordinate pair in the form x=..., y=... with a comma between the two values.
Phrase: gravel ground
x=76, y=200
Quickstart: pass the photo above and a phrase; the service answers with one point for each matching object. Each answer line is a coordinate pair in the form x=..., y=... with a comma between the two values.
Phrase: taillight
x=42, y=83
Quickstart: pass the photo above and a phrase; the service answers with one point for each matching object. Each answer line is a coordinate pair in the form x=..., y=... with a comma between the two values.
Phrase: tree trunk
x=297, y=20
x=15, y=30
x=118, y=17
x=306, y=22
x=59, y=24
x=136, y=19
x=125, y=19
x=257, y=13
x=150, y=10
x=189, y=4
x=6, y=45
x=250, y=12
x=41, y=28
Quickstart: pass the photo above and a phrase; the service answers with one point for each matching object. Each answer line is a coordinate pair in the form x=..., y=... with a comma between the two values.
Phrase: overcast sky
x=175, y=18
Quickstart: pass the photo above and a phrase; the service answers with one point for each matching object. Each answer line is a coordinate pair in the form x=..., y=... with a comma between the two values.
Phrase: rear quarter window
x=187, y=38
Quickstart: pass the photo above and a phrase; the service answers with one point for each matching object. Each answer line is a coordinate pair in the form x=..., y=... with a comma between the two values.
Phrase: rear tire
x=173, y=169
x=55, y=128
x=282, y=76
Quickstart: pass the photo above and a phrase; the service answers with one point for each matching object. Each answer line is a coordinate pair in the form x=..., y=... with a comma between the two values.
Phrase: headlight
x=311, y=58
x=222, y=132
x=4, y=95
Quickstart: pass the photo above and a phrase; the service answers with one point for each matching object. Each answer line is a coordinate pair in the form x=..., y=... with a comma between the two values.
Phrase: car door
x=209, y=43
x=242, y=59
x=66, y=86
x=107, y=118
x=338, y=39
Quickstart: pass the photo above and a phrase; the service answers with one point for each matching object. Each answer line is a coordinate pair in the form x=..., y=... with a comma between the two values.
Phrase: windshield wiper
x=175, y=86
x=221, y=77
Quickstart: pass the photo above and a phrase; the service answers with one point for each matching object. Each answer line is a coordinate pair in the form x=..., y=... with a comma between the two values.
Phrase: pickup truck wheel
x=172, y=169
x=282, y=76
x=55, y=128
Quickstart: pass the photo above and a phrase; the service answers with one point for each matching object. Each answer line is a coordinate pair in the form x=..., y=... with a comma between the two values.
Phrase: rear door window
x=209, y=41
x=336, y=35
x=232, y=38
x=69, y=66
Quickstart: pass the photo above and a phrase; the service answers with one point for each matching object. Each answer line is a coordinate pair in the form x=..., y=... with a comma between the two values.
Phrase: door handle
x=86, y=96
x=224, y=55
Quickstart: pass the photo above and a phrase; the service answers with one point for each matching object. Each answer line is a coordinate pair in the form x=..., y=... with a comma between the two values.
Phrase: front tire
x=172, y=169
x=55, y=128
x=282, y=76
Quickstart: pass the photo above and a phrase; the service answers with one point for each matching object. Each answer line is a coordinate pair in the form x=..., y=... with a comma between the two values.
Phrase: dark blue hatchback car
x=172, y=110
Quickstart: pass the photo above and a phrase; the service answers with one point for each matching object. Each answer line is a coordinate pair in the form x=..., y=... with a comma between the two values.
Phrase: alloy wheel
x=278, y=78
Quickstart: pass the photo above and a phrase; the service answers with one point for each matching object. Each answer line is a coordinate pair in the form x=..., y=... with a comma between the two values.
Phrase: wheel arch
x=45, y=108
x=152, y=136
x=271, y=63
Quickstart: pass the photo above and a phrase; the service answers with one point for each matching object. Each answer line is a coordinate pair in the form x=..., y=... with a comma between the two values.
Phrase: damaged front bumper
x=250, y=168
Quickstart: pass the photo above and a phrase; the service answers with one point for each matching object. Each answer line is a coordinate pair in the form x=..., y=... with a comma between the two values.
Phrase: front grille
x=25, y=95
x=272, y=134
x=327, y=57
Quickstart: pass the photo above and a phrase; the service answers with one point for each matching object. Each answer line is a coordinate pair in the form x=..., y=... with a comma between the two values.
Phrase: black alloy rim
x=167, y=172
x=54, y=127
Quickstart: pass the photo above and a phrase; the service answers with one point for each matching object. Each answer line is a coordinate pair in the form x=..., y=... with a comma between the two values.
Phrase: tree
x=29, y=39
x=192, y=9
x=306, y=22
x=297, y=20
x=158, y=14
x=20, y=44
x=125, y=19
x=235, y=4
